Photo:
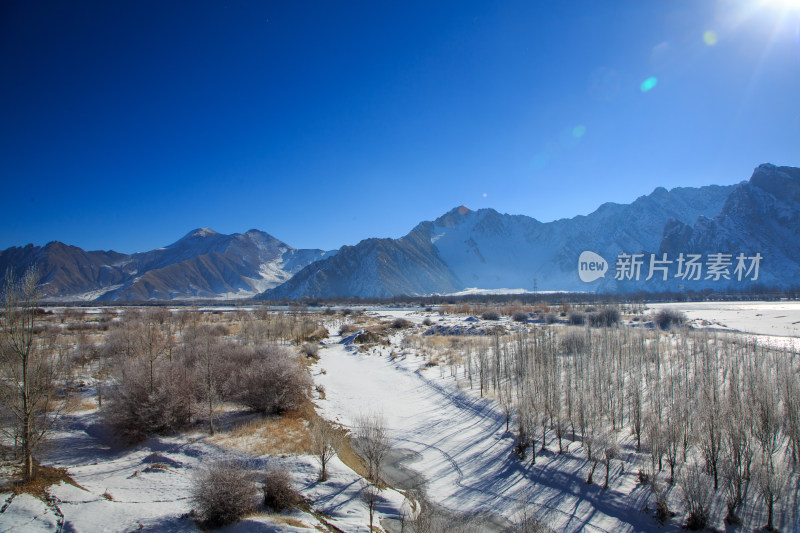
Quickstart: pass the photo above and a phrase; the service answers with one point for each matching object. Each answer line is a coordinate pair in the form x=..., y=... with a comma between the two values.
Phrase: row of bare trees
x=719, y=413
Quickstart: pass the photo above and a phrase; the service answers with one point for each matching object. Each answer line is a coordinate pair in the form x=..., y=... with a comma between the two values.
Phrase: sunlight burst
x=784, y=5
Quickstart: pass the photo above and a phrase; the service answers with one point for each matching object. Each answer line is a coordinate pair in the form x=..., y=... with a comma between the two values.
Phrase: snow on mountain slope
x=202, y=264
x=207, y=264
x=761, y=216
x=490, y=250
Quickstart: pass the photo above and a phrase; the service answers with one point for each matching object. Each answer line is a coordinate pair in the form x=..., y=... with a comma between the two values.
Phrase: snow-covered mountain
x=755, y=219
x=203, y=264
x=490, y=250
x=761, y=217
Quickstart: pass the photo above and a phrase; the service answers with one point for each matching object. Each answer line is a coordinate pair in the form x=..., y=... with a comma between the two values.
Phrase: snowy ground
x=461, y=448
x=781, y=319
x=444, y=433
x=147, y=487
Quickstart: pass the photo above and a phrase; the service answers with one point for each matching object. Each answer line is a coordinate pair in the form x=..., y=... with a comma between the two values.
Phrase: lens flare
x=579, y=131
x=648, y=84
x=710, y=37
x=785, y=5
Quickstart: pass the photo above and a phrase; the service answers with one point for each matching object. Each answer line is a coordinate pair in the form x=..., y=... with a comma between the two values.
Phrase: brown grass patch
x=351, y=458
x=279, y=435
x=77, y=403
x=45, y=476
x=289, y=521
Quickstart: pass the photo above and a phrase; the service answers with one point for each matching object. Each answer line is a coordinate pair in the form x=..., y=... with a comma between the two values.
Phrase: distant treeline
x=753, y=292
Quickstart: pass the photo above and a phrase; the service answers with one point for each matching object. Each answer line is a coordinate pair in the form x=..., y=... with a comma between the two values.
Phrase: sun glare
x=784, y=5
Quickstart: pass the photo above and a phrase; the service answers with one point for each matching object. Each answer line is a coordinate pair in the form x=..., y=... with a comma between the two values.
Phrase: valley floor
x=447, y=438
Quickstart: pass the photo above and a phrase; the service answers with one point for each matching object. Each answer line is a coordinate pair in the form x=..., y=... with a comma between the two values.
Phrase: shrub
x=491, y=315
x=347, y=329
x=576, y=318
x=310, y=350
x=319, y=333
x=427, y=322
x=697, y=494
x=273, y=383
x=223, y=493
x=138, y=408
x=550, y=318
x=604, y=317
x=278, y=491
x=669, y=318
x=519, y=316
x=400, y=323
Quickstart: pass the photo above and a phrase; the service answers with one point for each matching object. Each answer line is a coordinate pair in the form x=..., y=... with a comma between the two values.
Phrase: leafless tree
x=325, y=443
x=370, y=496
x=697, y=494
x=610, y=452
x=373, y=442
x=772, y=479
x=29, y=372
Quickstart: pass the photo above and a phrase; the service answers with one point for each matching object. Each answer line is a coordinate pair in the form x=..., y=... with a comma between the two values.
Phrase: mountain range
x=203, y=264
x=754, y=224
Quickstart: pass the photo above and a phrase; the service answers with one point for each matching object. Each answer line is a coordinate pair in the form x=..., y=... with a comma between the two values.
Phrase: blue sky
x=124, y=125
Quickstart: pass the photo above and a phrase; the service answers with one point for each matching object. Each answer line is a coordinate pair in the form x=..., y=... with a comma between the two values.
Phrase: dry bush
x=400, y=323
x=491, y=315
x=223, y=493
x=320, y=333
x=669, y=318
x=310, y=350
x=346, y=329
x=278, y=491
x=273, y=383
x=139, y=406
x=605, y=317
x=519, y=316
x=372, y=336
x=576, y=318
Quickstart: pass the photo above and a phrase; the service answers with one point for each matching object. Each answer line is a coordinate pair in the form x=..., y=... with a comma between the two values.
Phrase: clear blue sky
x=124, y=125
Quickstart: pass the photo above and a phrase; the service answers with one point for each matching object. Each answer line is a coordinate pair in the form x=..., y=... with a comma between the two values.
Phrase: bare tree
x=772, y=478
x=209, y=354
x=610, y=452
x=370, y=495
x=29, y=373
x=325, y=443
x=697, y=494
x=373, y=442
